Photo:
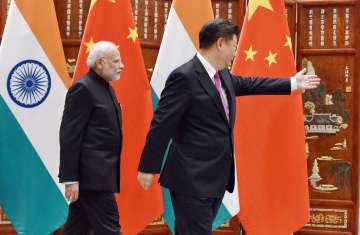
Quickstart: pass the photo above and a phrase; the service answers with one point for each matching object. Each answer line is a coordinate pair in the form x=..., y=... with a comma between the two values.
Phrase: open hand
x=306, y=82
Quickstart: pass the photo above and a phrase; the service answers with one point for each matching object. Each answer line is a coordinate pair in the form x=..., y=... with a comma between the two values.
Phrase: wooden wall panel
x=327, y=46
x=4, y=6
x=290, y=11
x=330, y=26
x=71, y=16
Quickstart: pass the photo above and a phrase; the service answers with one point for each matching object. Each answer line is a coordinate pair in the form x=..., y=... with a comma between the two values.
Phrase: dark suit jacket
x=90, y=135
x=200, y=161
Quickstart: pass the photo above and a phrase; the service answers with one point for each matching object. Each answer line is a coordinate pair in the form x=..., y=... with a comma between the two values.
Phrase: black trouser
x=93, y=211
x=194, y=215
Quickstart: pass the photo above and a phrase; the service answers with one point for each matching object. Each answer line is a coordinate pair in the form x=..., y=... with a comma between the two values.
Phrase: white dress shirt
x=211, y=72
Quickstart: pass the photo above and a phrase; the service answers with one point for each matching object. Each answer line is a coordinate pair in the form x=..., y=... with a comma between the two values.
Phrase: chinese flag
x=269, y=132
x=111, y=20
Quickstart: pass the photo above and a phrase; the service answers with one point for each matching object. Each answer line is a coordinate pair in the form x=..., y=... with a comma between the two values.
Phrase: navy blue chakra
x=29, y=83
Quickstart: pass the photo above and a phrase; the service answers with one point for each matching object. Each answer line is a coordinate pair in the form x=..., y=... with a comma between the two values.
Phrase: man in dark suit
x=197, y=111
x=90, y=146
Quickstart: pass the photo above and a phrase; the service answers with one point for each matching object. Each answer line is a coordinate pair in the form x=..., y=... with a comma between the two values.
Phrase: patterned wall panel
x=327, y=47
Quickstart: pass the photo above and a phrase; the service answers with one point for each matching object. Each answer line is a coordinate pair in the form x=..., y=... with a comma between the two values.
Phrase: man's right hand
x=145, y=179
x=72, y=192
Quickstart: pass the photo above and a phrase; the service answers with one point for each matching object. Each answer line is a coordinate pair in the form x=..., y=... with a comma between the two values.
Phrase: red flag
x=269, y=132
x=111, y=20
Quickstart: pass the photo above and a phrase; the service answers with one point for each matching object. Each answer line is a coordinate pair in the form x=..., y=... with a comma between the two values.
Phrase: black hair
x=215, y=29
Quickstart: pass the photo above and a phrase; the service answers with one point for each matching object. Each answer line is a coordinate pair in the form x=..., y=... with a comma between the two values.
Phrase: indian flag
x=33, y=84
x=179, y=44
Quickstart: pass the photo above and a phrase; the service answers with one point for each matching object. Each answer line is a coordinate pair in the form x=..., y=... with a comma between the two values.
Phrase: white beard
x=110, y=76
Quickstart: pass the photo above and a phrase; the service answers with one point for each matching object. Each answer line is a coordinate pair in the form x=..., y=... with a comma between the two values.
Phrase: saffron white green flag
x=179, y=45
x=33, y=85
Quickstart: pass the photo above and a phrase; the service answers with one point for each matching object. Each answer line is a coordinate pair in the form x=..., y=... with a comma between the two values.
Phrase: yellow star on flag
x=89, y=45
x=133, y=34
x=255, y=4
x=288, y=42
x=93, y=2
x=250, y=53
x=271, y=58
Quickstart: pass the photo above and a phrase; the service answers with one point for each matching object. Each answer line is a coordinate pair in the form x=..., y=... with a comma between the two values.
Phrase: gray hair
x=99, y=50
